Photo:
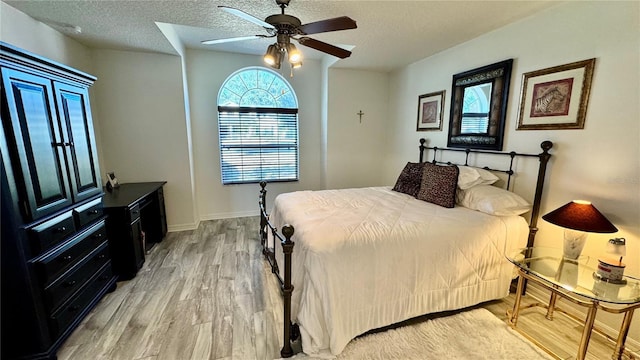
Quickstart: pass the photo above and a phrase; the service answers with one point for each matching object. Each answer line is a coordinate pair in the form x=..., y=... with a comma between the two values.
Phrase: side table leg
x=552, y=306
x=622, y=336
x=586, y=332
x=516, y=305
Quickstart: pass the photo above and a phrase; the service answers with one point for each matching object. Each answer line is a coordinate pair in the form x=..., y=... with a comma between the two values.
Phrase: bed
x=367, y=258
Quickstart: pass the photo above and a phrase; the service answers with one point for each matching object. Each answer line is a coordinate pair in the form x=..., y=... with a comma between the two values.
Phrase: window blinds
x=475, y=123
x=258, y=144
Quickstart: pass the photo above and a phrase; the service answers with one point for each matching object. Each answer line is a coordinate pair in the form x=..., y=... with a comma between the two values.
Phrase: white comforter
x=370, y=257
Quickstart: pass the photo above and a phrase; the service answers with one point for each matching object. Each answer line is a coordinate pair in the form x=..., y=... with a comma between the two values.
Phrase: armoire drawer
x=64, y=287
x=54, y=263
x=51, y=232
x=88, y=213
x=61, y=319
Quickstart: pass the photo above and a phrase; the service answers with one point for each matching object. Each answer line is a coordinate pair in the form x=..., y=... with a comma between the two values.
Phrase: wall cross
x=360, y=113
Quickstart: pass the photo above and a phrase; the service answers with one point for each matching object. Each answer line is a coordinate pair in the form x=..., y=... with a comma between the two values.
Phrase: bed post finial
x=422, y=147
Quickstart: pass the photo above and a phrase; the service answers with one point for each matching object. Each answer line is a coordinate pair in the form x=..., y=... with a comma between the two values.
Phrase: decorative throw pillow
x=439, y=185
x=410, y=178
x=472, y=176
x=492, y=200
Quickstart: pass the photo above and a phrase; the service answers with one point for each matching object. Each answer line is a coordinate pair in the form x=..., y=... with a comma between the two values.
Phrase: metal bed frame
x=291, y=330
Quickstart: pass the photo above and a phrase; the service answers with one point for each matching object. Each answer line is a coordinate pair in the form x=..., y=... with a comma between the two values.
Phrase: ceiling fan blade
x=240, y=38
x=335, y=24
x=244, y=15
x=324, y=47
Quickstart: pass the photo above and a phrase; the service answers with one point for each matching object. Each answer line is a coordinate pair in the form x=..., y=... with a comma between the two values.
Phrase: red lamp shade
x=582, y=216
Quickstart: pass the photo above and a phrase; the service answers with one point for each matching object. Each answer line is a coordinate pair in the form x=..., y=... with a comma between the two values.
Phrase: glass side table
x=574, y=280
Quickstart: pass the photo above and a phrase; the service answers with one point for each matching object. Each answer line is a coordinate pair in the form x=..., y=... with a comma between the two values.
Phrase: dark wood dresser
x=136, y=222
x=55, y=253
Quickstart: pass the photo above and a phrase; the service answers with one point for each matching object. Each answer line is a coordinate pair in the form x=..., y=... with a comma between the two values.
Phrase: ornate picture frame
x=479, y=106
x=430, y=109
x=556, y=97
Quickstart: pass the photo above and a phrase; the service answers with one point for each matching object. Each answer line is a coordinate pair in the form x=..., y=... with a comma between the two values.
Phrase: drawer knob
x=93, y=212
x=70, y=283
x=61, y=229
x=97, y=236
x=101, y=256
x=74, y=308
x=67, y=258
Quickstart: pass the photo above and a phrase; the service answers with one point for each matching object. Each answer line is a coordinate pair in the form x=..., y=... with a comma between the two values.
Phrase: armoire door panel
x=73, y=105
x=39, y=143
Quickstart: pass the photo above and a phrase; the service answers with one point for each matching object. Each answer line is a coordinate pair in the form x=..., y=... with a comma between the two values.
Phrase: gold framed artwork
x=556, y=97
x=430, y=109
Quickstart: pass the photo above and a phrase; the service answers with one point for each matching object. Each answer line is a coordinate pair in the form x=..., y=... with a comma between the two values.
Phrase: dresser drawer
x=89, y=212
x=68, y=313
x=134, y=212
x=51, y=233
x=52, y=264
x=63, y=287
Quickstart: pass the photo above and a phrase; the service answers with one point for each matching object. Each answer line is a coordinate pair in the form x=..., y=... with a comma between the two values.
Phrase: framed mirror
x=479, y=107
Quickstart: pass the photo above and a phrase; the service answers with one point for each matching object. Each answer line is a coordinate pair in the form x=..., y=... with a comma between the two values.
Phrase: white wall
x=598, y=163
x=139, y=100
x=354, y=147
x=21, y=30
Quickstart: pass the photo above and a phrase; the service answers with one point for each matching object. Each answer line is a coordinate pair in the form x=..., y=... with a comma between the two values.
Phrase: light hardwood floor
x=208, y=294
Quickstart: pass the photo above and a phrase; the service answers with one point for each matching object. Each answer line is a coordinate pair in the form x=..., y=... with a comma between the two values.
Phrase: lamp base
x=573, y=243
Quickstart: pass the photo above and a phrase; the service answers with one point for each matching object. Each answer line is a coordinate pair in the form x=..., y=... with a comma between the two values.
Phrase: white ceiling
x=390, y=34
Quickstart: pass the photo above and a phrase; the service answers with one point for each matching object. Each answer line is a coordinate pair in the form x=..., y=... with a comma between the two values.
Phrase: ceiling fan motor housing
x=286, y=26
x=284, y=22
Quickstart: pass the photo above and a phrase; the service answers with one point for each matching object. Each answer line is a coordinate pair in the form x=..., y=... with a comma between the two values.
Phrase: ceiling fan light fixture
x=272, y=56
x=295, y=56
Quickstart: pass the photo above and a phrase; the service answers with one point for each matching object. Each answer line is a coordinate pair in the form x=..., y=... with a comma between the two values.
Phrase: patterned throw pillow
x=410, y=179
x=439, y=185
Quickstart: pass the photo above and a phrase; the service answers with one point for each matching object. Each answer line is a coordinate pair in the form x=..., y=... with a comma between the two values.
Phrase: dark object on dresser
x=136, y=222
x=55, y=253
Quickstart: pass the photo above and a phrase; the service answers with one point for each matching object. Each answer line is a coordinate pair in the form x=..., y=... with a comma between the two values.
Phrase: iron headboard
x=544, y=157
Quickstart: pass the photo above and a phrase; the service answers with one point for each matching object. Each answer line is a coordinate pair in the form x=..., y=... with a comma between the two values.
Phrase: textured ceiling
x=390, y=34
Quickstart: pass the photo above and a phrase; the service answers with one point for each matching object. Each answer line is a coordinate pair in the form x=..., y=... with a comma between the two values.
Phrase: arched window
x=258, y=127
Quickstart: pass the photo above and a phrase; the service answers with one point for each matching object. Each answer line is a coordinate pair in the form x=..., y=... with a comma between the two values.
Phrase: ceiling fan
x=285, y=27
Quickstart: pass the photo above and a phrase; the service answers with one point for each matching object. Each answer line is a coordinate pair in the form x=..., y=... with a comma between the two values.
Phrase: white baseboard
x=217, y=216
x=183, y=227
x=542, y=296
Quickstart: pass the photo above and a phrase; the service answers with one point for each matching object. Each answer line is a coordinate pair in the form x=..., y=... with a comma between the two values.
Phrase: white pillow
x=471, y=176
x=492, y=200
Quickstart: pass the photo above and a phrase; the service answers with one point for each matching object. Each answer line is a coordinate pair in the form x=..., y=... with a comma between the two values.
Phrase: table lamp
x=578, y=218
